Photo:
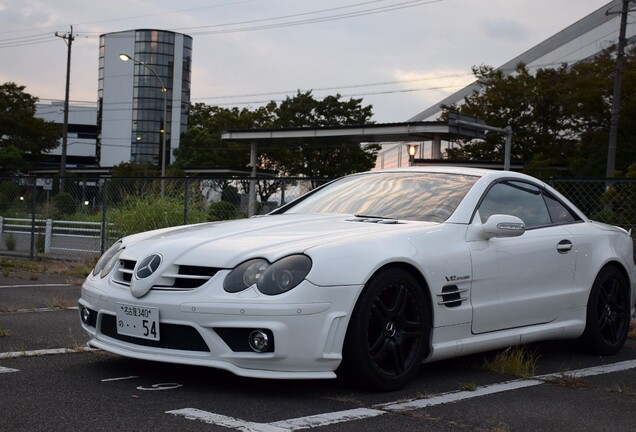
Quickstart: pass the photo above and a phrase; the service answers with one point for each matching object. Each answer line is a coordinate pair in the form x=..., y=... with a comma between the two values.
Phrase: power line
x=6, y=43
x=20, y=42
x=282, y=17
x=343, y=87
x=403, y=5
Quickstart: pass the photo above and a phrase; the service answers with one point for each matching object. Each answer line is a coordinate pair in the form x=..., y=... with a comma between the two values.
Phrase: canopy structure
x=459, y=126
x=384, y=132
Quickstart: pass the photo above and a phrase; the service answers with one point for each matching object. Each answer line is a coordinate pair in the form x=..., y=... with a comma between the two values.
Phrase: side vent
x=451, y=296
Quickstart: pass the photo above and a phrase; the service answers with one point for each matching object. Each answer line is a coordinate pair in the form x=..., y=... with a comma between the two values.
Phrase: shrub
x=145, y=214
x=9, y=191
x=223, y=210
x=63, y=205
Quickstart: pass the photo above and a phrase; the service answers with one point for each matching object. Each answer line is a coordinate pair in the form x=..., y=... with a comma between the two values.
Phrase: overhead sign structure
x=465, y=125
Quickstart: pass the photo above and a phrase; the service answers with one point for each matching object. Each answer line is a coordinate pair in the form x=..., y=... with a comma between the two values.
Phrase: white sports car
x=368, y=277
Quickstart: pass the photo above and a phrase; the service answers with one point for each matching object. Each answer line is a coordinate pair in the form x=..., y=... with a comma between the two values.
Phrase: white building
x=580, y=41
x=130, y=119
x=81, y=149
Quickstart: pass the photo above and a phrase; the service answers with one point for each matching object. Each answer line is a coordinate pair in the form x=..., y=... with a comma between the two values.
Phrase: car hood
x=227, y=244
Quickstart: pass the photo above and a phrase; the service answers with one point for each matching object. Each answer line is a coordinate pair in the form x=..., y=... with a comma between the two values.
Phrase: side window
x=558, y=212
x=517, y=199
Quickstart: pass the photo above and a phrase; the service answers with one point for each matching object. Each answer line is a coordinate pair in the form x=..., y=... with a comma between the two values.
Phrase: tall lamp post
x=164, y=90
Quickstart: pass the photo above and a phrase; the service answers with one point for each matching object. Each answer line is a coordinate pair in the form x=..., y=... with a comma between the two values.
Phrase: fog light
x=259, y=341
x=85, y=315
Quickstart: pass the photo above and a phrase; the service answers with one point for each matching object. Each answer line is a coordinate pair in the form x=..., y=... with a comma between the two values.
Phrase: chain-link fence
x=78, y=218
x=606, y=200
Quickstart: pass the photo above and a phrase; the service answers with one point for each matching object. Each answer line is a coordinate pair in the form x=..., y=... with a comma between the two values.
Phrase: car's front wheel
x=607, y=313
x=388, y=334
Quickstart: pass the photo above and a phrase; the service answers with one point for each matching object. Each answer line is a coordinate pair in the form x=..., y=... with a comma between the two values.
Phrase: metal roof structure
x=384, y=132
x=389, y=132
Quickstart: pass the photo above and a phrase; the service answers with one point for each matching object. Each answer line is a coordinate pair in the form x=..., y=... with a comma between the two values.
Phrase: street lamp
x=164, y=90
x=412, y=150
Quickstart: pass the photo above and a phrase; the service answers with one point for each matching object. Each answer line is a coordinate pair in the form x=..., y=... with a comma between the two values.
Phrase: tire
x=608, y=309
x=388, y=334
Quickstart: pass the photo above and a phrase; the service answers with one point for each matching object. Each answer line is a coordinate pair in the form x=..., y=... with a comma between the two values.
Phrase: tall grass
x=518, y=361
x=136, y=214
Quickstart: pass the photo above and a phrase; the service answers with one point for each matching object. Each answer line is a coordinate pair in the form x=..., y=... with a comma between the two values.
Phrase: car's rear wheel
x=607, y=313
x=388, y=334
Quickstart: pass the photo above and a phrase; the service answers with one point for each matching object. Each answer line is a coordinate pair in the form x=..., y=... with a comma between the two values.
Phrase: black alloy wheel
x=388, y=334
x=607, y=313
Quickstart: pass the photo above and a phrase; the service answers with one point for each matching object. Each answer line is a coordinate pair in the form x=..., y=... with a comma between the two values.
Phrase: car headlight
x=270, y=279
x=106, y=262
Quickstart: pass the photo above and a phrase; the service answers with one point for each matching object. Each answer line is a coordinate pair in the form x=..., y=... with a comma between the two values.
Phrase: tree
x=201, y=146
x=328, y=158
x=531, y=104
x=560, y=117
x=23, y=137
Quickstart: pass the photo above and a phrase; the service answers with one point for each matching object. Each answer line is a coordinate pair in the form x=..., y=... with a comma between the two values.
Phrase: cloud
x=500, y=28
x=441, y=80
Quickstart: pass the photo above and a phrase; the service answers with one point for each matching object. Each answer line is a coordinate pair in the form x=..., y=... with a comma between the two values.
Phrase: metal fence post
x=282, y=192
x=185, y=202
x=33, y=204
x=102, y=242
x=48, y=234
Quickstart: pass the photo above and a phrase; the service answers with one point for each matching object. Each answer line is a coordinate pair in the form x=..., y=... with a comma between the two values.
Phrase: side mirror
x=499, y=225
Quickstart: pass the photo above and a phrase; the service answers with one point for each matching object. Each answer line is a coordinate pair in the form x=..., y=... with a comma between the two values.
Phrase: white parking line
x=7, y=370
x=43, y=309
x=228, y=422
x=120, y=378
x=37, y=353
x=458, y=396
x=377, y=410
x=280, y=426
x=327, y=419
x=36, y=285
x=506, y=386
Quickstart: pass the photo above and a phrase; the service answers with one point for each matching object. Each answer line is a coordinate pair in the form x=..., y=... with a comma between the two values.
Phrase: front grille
x=124, y=272
x=188, y=277
x=173, y=278
x=173, y=336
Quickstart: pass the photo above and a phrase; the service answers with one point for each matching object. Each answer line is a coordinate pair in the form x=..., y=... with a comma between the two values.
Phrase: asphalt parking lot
x=49, y=381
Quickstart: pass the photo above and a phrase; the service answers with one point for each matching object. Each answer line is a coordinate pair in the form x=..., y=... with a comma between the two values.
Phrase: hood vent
x=379, y=221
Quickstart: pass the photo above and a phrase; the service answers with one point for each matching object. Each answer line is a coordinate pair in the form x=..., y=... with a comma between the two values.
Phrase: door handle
x=564, y=246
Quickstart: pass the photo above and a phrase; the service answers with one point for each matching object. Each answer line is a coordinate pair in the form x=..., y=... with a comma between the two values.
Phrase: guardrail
x=54, y=238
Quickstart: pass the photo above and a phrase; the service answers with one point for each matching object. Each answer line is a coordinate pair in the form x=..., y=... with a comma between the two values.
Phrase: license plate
x=138, y=321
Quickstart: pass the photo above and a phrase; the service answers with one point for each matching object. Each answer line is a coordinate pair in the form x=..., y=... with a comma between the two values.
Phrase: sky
x=400, y=56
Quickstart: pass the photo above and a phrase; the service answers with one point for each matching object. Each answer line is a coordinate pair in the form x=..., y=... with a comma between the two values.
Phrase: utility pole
x=68, y=38
x=616, y=100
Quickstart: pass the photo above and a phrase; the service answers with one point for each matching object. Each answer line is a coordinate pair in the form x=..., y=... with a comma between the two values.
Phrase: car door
x=525, y=280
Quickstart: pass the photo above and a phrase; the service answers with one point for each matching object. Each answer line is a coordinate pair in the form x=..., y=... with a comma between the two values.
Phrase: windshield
x=416, y=196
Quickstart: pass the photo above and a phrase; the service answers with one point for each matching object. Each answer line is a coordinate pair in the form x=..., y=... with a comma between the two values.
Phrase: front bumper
x=200, y=327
